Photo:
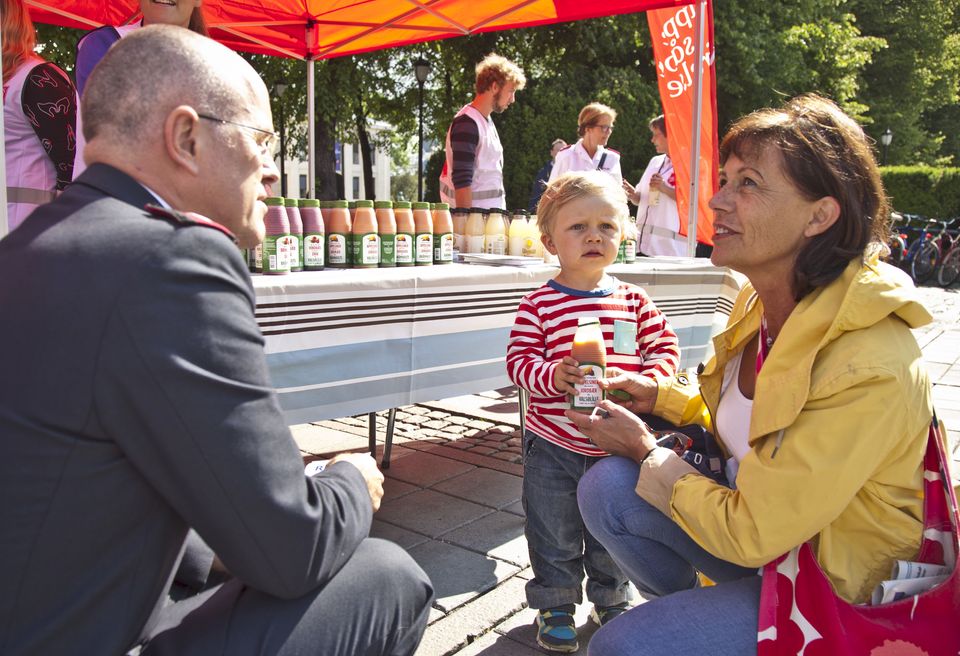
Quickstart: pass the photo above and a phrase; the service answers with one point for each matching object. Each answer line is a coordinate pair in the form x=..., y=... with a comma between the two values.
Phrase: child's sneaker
x=603, y=614
x=557, y=630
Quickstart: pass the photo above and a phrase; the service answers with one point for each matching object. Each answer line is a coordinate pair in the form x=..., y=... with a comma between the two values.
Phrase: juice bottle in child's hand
x=590, y=352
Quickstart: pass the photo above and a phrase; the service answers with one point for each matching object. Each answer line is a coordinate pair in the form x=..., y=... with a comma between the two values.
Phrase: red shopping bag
x=800, y=614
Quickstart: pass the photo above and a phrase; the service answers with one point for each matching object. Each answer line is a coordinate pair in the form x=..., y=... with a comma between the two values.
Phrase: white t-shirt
x=733, y=417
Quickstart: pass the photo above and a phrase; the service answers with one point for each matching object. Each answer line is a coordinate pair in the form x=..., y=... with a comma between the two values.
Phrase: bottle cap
x=290, y=202
x=460, y=210
x=364, y=203
x=421, y=206
x=477, y=210
x=309, y=202
x=401, y=204
x=338, y=204
x=586, y=321
x=441, y=206
x=383, y=204
x=273, y=200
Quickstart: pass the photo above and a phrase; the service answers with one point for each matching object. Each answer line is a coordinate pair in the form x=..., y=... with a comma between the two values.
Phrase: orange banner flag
x=674, y=35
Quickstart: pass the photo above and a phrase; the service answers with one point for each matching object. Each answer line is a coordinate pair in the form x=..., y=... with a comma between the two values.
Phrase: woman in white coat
x=590, y=153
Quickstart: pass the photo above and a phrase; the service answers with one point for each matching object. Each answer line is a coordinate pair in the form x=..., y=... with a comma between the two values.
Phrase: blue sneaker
x=603, y=614
x=557, y=630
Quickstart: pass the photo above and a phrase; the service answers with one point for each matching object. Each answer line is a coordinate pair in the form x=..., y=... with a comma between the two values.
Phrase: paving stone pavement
x=453, y=497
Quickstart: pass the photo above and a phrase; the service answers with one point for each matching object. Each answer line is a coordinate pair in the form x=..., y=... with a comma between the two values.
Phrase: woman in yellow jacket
x=816, y=394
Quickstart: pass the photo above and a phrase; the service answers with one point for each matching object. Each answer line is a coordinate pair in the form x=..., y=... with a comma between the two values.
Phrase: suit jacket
x=135, y=403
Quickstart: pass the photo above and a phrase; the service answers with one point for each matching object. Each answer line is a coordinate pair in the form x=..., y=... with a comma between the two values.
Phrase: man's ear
x=181, y=137
x=826, y=211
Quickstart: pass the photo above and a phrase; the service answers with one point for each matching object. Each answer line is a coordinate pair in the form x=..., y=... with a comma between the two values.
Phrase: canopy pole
x=694, y=204
x=311, y=131
x=3, y=170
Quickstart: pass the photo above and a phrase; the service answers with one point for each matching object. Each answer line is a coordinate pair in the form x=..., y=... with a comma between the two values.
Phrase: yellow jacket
x=838, y=432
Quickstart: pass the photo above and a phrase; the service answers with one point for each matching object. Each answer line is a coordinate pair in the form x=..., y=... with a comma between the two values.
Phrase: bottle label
x=443, y=248
x=621, y=253
x=474, y=243
x=460, y=242
x=388, y=250
x=588, y=393
x=258, y=258
x=425, y=248
x=313, y=250
x=529, y=247
x=275, y=254
x=496, y=244
x=404, y=248
x=366, y=250
x=631, y=251
x=293, y=252
x=337, y=249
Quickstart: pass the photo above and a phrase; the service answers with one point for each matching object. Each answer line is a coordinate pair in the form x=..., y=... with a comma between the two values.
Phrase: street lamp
x=278, y=90
x=885, y=139
x=421, y=68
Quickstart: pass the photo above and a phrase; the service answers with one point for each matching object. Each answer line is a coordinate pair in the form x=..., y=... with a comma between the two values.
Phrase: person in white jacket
x=590, y=153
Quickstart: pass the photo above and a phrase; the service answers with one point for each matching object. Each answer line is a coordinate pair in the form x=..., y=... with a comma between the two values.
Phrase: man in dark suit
x=135, y=401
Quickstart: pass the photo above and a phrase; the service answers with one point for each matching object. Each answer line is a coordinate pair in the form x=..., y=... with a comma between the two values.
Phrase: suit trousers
x=377, y=604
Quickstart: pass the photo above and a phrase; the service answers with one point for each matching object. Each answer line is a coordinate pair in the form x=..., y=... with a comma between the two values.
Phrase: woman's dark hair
x=197, y=23
x=825, y=153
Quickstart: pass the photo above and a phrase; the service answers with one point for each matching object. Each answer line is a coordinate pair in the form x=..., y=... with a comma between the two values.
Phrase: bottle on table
x=295, y=245
x=339, y=230
x=475, y=230
x=532, y=246
x=314, y=256
x=460, y=215
x=423, y=225
x=406, y=233
x=590, y=352
x=517, y=235
x=387, y=229
x=325, y=213
x=630, y=241
x=366, y=239
x=442, y=233
x=275, y=258
x=495, y=234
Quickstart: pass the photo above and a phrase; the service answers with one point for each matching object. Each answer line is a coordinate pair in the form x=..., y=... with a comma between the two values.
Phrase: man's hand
x=642, y=390
x=371, y=474
x=566, y=375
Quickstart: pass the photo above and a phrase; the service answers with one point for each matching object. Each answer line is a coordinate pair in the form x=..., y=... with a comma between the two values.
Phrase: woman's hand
x=631, y=192
x=656, y=182
x=642, y=390
x=615, y=430
x=566, y=375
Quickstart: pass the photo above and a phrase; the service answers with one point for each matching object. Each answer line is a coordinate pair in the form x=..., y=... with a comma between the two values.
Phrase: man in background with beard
x=472, y=175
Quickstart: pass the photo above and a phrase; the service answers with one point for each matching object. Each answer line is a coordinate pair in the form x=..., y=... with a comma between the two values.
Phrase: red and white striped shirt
x=543, y=334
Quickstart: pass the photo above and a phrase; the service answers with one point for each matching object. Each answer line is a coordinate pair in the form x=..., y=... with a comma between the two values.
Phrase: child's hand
x=566, y=375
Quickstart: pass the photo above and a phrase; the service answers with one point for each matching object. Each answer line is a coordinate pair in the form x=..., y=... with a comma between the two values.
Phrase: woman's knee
x=609, y=479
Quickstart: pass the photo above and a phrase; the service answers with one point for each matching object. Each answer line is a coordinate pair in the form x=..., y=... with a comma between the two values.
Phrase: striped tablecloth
x=342, y=343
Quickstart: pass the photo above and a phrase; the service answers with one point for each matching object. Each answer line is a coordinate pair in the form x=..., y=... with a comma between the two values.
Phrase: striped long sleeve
x=543, y=334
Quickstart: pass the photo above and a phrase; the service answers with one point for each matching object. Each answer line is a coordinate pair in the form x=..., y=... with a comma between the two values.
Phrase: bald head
x=156, y=68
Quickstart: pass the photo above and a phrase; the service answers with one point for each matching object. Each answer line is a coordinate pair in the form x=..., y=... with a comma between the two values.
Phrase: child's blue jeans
x=560, y=546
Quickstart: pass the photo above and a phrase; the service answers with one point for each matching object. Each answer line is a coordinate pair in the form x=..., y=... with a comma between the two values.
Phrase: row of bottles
x=310, y=235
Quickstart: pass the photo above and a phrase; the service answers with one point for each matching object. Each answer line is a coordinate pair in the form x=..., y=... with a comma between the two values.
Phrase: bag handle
x=941, y=537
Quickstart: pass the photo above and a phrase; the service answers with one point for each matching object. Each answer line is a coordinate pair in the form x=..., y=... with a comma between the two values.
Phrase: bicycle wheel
x=924, y=262
x=949, y=268
x=897, y=248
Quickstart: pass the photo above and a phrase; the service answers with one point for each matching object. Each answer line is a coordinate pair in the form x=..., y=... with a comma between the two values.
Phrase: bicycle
x=950, y=251
x=920, y=268
x=931, y=251
x=897, y=243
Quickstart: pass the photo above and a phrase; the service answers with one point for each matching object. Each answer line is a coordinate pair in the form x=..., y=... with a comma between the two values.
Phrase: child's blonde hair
x=581, y=184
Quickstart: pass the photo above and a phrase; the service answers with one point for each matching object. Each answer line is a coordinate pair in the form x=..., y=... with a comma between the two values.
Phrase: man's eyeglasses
x=266, y=140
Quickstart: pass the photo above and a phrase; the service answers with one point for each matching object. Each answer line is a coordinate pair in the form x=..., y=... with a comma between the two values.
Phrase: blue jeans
x=560, y=547
x=662, y=561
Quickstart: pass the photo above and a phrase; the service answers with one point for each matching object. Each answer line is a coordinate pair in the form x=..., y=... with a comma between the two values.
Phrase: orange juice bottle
x=366, y=238
x=442, y=233
x=338, y=235
x=423, y=224
x=590, y=352
x=406, y=231
x=387, y=227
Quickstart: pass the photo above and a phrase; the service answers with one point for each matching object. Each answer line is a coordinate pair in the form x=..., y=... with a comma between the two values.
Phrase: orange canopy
x=318, y=29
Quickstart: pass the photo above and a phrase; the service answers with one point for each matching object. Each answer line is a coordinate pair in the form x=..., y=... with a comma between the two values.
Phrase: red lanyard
x=763, y=348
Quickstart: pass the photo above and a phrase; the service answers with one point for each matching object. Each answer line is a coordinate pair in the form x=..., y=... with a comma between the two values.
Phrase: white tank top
x=487, y=187
x=733, y=412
